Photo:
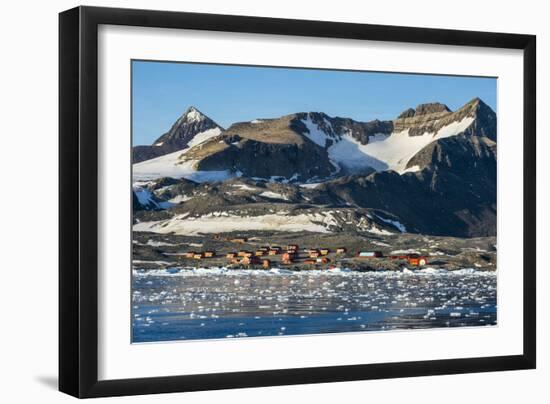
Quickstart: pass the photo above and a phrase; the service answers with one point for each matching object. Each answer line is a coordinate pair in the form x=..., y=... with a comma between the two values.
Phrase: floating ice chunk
x=455, y=314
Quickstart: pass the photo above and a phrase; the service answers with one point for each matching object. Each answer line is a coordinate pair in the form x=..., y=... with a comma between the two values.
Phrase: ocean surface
x=189, y=304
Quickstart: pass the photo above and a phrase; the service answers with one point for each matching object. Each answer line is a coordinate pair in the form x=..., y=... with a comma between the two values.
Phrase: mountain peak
x=192, y=114
x=191, y=127
x=476, y=108
x=478, y=104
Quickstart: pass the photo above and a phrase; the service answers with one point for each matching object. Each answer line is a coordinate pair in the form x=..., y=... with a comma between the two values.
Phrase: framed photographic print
x=251, y=201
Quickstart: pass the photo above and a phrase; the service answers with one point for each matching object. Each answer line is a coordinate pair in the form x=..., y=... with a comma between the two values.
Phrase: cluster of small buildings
x=247, y=258
x=200, y=255
x=413, y=259
x=290, y=254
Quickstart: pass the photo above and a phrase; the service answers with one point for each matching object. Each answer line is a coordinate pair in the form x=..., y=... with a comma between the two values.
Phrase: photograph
x=278, y=201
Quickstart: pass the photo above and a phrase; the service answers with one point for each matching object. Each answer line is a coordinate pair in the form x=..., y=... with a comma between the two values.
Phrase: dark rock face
x=424, y=109
x=191, y=123
x=454, y=195
x=363, y=130
x=485, y=123
x=260, y=159
x=142, y=153
x=408, y=113
x=185, y=128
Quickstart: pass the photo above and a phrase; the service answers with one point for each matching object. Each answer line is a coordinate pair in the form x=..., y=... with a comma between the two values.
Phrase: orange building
x=288, y=258
x=250, y=260
x=417, y=260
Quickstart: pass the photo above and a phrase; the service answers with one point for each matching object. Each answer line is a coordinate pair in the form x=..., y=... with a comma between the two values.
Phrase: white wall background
x=28, y=202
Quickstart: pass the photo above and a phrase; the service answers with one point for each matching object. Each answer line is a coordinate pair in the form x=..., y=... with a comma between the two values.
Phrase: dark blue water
x=203, y=304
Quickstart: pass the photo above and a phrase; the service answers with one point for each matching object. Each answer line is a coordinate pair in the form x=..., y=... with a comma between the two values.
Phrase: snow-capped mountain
x=190, y=129
x=312, y=146
x=391, y=145
x=429, y=171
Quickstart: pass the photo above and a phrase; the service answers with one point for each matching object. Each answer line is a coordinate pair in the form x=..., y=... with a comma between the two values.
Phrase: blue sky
x=228, y=94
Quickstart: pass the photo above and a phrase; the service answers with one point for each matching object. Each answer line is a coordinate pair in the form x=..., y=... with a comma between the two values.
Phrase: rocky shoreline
x=158, y=251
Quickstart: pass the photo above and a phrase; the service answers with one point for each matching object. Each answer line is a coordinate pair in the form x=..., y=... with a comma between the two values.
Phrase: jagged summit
x=430, y=108
x=190, y=128
x=485, y=119
x=477, y=105
x=191, y=114
x=191, y=121
x=424, y=109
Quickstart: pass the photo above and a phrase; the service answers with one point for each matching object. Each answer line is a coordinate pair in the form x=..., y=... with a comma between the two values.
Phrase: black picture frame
x=78, y=196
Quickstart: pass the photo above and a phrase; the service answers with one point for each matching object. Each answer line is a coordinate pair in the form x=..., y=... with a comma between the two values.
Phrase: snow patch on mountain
x=394, y=223
x=180, y=198
x=171, y=165
x=192, y=115
x=184, y=225
x=204, y=136
x=273, y=195
x=314, y=133
x=351, y=154
x=244, y=187
x=382, y=152
x=379, y=231
x=412, y=169
x=146, y=199
x=398, y=148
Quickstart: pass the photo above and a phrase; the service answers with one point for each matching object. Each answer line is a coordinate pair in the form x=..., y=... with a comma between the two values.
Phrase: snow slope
x=229, y=221
x=273, y=195
x=224, y=222
x=315, y=134
x=383, y=152
x=170, y=165
x=204, y=136
x=396, y=150
x=145, y=198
